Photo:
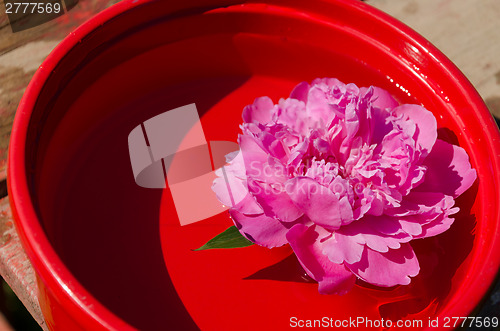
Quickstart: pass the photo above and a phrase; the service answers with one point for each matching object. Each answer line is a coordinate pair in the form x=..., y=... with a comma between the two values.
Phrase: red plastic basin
x=112, y=255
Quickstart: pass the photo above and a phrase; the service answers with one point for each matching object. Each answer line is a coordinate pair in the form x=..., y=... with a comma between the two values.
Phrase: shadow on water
x=107, y=226
x=439, y=258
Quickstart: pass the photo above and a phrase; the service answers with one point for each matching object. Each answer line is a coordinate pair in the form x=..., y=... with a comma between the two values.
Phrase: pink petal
x=448, y=170
x=236, y=164
x=260, y=229
x=412, y=228
x=316, y=201
x=426, y=132
x=341, y=248
x=364, y=112
x=332, y=277
x=381, y=104
x=392, y=144
x=261, y=111
x=249, y=206
x=275, y=201
x=318, y=107
x=384, y=224
x=346, y=212
x=253, y=154
x=415, y=176
x=424, y=214
x=381, y=98
x=426, y=204
x=256, y=161
x=300, y=92
x=441, y=223
x=329, y=82
x=438, y=226
x=375, y=232
x=292, y=114
x=352, y=125
x=229, y=189
x=273, y=146
x=387, y=269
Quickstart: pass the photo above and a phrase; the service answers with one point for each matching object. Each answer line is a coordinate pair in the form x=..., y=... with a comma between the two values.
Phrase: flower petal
x=260, y=229
x=448, y=170
x=292, y=114
x=379, y=103
x=381, y=98
x=341, y=248
x=300, y=92
x=375, y=233
x=332, y=277
x=437, y=226
x=249, y=206
x=229, y=189
x=319, y=203
x=426, y=126
x=275, y=201
x=427, y=204
x=424, y=214
x=253, y=154
x=258, y=163
x=261, y=111
x=437, y=218
x=387, y=269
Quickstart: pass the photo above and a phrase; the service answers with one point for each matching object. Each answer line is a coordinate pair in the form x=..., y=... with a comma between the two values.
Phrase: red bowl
x=111, y=255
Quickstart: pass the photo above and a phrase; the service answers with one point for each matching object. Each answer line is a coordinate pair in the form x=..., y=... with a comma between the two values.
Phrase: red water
x=123, y=242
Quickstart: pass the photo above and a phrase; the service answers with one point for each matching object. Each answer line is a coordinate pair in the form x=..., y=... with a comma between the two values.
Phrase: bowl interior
x=124, y=243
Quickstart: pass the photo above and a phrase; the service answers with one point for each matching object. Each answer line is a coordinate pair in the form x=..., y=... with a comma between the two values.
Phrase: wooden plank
x=15, y=267
x=468, y=32
x=21, y=53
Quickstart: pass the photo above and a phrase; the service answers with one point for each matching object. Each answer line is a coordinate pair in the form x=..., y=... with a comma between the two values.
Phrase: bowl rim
x=57, y=279
x=81, y=305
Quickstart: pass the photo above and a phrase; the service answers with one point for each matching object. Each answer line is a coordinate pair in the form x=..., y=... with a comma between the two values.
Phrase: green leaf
x=231, y=238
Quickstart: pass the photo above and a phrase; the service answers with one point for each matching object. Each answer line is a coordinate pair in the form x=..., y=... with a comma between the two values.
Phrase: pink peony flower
x=346, y=176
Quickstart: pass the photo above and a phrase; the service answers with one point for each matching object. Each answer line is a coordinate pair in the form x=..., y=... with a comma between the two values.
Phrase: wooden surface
x=468, y=32
x=15, y=267
x=21, y=53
